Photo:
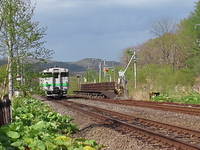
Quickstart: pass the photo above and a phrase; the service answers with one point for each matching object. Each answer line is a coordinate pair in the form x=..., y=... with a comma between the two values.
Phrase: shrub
x=36, y=126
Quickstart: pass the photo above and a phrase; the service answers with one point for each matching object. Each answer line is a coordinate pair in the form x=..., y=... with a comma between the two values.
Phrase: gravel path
x=113, y=140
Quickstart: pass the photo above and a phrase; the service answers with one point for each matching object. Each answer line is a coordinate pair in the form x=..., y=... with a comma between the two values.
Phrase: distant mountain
x=93, y=63
x=78, y=66
x=72, y=67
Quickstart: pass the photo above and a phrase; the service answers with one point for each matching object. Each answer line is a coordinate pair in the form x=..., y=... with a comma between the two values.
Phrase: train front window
x=64, y=74
x=47, y=75
x=55, y=75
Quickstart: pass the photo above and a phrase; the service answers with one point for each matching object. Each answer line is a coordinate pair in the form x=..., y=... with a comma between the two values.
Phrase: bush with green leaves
x=36, y=127
x=192, y=98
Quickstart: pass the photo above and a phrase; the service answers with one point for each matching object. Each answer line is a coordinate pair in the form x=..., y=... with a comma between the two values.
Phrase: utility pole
x=104, y=73
x=100, y=72
x=122, y=79
x=135, y=67
x=110, y=77
x=87, y=75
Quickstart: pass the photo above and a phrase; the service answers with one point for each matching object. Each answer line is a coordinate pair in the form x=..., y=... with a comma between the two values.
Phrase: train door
x=65, y=81
x=56, y=80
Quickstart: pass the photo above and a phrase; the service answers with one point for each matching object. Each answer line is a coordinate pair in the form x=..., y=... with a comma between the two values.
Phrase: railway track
x=173, y=107
x=155, y=133
x=97, y=91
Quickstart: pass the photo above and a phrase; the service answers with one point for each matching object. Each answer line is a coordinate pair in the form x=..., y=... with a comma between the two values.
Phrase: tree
x=165, y=50
x=20, y=37
x=190, y=32
x=3, y=80
x=163, y=26
x=166, y=41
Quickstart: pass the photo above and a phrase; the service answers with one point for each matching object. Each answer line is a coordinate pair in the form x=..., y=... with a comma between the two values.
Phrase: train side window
x=64, y=74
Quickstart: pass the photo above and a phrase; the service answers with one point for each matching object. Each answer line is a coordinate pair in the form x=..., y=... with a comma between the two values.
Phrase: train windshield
x=55, y=75
x=47, y=75
x=64, y=74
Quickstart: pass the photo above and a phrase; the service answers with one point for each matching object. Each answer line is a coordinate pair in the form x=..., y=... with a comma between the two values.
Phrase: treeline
x=170, y=63
x=21, y=40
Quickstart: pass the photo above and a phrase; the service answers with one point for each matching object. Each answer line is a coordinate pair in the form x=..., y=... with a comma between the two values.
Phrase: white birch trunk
x=10, y=75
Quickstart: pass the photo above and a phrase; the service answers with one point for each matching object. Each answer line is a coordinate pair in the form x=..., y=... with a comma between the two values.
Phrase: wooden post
x=5, y=111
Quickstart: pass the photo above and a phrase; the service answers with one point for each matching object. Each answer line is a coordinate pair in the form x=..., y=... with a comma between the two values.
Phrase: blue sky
x=80, y=29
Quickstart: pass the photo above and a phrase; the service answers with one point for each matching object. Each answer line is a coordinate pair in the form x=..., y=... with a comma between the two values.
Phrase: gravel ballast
x=89, y=129
x=114, y=140
x=177, y=119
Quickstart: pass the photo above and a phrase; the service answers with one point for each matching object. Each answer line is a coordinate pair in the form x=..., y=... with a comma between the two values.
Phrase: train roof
x=56, y=69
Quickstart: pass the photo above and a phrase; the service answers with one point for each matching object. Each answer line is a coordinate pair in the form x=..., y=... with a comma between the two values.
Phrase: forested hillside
x=169, y=63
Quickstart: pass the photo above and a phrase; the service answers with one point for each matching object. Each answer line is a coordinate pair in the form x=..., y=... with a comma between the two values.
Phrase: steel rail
x=159, y=137
x=185, y=109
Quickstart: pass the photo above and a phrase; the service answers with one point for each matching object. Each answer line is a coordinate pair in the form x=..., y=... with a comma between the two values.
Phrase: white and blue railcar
x=55, y=82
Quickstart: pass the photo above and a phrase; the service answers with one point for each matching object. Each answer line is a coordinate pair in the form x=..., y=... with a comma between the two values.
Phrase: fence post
x=5, y=111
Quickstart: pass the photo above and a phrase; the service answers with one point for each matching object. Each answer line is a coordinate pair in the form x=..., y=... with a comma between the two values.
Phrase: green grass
x=161, y=78
x=73, y=85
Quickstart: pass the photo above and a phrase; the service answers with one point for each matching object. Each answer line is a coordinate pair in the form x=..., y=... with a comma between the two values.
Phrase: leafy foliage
x=21, y=38
x=192, y=98
x=36, y=126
